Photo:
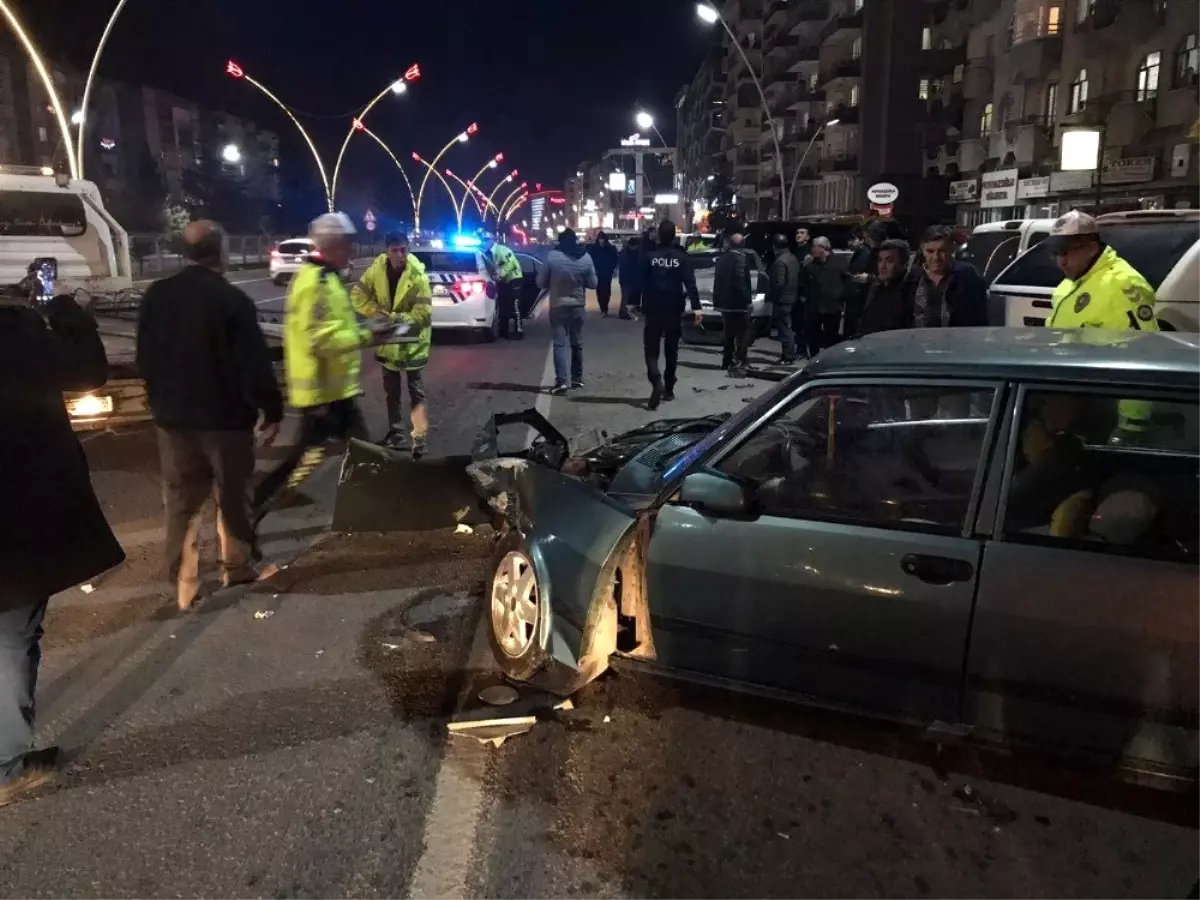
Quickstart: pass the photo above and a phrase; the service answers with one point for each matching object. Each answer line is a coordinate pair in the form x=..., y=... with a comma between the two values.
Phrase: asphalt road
x=290, y=740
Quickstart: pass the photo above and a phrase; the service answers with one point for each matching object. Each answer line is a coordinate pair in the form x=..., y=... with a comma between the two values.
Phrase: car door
x=1085, y=631
x=530, y=293
x=850, y=575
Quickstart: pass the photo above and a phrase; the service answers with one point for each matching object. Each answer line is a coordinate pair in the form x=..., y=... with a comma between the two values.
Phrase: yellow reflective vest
x=412, y=303
x=1112, y=294
x=508, y=267
x=321, y=339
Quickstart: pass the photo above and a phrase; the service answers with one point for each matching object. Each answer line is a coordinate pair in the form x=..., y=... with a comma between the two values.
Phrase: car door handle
x=937, y=569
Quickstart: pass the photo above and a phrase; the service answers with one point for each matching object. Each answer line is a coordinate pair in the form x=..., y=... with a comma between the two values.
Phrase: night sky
x=550, y=82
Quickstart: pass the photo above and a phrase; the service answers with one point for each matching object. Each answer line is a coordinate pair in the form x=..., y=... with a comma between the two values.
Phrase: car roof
x=306, y=240
x=1015, y=225
x=1095, y=356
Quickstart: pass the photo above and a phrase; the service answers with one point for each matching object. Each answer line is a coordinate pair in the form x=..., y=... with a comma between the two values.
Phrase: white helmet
x=330, y=225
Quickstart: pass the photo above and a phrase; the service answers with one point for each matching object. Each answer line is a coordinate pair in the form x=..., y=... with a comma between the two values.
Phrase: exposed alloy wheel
x=514, y=608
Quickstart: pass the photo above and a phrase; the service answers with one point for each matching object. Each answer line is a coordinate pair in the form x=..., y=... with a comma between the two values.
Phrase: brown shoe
x=38, y=770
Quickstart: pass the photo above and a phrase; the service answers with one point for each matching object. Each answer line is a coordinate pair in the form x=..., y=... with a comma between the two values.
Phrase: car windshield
x=295, y=247
x=439, y=261
x=990, y=251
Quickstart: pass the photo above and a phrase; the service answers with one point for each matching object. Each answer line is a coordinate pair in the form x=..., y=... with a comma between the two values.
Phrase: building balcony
x=1025, y=142
x=945, y=110
x=1035, y=58
x=802, y=57
x=846, y=115
x=844, y=23
x=973, y=153
x=941, y=62
x=847, y=68
x=781, y=47
x=800, y=95
x=1178, y=107
x=803, y=15
x=843, y=162
x=978, y=79
x=1124, y=115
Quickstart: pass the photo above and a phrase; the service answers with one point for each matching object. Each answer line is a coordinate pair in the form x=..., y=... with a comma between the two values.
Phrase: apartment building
x=1037, y=68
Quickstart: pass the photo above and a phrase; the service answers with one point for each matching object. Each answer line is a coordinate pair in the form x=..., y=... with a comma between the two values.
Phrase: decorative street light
x=47, y=82
x=461, y=206
x=711, y=15
x=233, y=70
x=509, y=199
x=803, y=156
x=493, y=163
x=388, y=150
x=521, y=201
x=645, y=121
x=87, y=86
x=397, y=87
x=507, y=179
x=430, y=170
x=461, y=138
x=232, y=154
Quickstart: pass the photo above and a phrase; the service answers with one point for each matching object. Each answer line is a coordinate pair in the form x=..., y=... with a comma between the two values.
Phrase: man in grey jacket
x=568, y=274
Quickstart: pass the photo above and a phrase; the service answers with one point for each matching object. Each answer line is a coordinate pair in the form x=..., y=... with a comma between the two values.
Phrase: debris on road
x=493, y=731
x=391, y=646
x=462, y=528
x=607, y=719
x=499, y=695
x=264, y=614
x=87, y=588
x=976, y=804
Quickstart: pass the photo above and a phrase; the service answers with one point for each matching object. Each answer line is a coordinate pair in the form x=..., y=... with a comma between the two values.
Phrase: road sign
x=369, y=220
x=883, y=193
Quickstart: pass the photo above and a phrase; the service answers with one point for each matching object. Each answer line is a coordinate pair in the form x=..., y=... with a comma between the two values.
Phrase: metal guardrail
x=156, y=254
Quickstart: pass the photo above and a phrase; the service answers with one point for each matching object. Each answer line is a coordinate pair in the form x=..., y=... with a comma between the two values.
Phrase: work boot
x=656, y=393
x=39, y=767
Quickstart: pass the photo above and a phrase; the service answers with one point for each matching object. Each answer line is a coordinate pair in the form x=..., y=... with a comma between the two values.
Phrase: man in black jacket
x=209, y=379
x=784, y=295
x=946, y=293
x=666, y=276
x=732, y=296
x=629, y=274
x=889, y=297
x=604, y=258
x=54, y=532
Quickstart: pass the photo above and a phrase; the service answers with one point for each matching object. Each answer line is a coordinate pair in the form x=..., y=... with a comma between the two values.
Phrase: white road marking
x=270, y=300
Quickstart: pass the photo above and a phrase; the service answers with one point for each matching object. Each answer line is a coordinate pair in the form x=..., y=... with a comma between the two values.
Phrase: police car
x=464, y=292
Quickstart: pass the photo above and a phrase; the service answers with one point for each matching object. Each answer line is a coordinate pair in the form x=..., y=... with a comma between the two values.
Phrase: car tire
x=515, y=641
x=491, y=332
x=277, y=280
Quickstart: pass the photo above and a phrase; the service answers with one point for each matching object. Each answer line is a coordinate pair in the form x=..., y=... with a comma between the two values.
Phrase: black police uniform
x=667, y=275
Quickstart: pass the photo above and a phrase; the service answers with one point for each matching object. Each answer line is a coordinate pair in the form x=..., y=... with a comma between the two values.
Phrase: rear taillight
x=472, y=288
x=275, y=254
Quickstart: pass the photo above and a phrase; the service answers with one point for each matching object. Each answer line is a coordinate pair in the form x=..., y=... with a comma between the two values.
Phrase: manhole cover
x=498, y=695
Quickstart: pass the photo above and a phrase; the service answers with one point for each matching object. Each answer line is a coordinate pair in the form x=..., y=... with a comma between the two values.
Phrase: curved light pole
x=507, y=179
x=492, y=163
x=461, y=138
x=235, y=71
x=397, y=87
x=507, y=200
x=461, y=206
x=644, y=120
x=800, y=164
x=388, y=150
x=430, y=170
x=87, y=86
x=47, y=82
x=710, y=14
x=521, y=201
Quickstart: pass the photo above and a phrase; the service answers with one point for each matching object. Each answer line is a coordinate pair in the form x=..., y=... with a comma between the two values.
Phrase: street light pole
x=411, y=196
x=709, y=13
x=508, y=199
x=803, y=156
x=461, y=138
x=503, y=181
x=430, y=170
x=397, y=87
x=87, y=86
x=462, y=205
x=492, y=163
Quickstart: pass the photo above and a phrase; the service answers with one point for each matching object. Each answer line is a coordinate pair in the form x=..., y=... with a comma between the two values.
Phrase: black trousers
x=822, y=330
x=338, y=421
x=507, y=295
x=735, y=345
x=631, y=297
x=661, y=335
x=604, y=294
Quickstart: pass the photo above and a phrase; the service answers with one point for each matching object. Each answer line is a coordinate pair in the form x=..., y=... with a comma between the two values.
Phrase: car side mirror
x=713, y=494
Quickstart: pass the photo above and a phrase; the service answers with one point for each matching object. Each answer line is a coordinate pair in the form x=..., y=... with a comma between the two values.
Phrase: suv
x=992, y=246
x=289, y=256
x=1161, y=244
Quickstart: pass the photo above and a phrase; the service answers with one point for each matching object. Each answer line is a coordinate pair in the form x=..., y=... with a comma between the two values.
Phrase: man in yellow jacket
x=396, y=287
x=1101, y=290
x=322, y=344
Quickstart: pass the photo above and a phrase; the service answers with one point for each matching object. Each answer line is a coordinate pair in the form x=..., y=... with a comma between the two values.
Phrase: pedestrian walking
x=396, y=287
x=629, y=276
x=210, y=381
x=825, y=290
x=322, y=351
x=604, y=259
x=888, y=306
x=947, y=293
x=567, y=275
x=666, y=277
x=732, y=296
x=784, y=294
x=55, y=535
x=507, y=270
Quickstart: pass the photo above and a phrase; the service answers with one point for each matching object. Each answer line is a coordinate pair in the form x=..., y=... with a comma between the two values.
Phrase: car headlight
x=89, y=406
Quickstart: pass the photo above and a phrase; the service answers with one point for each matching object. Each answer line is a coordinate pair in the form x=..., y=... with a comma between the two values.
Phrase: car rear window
x=437, y=261
x=295, y=247
x=991, y=251
x=1153, y=249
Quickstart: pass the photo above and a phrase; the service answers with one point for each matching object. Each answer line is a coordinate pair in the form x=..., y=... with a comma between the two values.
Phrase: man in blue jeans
x=567, y=275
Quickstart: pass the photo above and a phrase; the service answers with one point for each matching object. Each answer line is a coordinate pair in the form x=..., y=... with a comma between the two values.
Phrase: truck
x=56, y=229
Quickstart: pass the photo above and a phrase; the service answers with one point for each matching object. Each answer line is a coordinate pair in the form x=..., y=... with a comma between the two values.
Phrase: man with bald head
x=210, y=382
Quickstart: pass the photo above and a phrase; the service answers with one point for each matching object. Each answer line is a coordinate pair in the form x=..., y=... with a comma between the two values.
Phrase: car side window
x=891, y=456
x=1034, y=268
x=1112, y=473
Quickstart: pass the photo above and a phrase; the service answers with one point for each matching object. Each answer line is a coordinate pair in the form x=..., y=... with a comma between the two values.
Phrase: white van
x=1164, y=245
x=994, y=245
x=38, y=218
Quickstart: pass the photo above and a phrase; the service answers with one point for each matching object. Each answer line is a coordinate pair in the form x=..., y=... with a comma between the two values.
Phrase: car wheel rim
x=515, y=604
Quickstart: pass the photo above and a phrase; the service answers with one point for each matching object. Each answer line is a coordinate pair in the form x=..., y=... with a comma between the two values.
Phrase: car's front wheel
x=516, y=606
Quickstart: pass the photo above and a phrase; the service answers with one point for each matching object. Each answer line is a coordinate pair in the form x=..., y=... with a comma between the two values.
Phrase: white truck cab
x=1164, y=245
x=44, y=215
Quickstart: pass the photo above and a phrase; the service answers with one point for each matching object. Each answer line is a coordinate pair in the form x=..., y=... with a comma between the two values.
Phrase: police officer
x=667, y=275
x=1100, y=290
x=507, y=269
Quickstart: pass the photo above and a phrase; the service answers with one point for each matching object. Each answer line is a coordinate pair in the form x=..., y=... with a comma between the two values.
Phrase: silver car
x=991, y=531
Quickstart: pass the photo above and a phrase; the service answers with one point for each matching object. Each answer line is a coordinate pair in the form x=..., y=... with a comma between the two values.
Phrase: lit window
x=1053, y=17
x=985, y=119
x=854, y=95
x=1147, y=88
x=958, y=73
x=1079, y=92
x=926, y=38
x=1187, y=62
x=856, y=48
x=858, y=4
x=923, y=89
x=1051, y=101
x=42, y=136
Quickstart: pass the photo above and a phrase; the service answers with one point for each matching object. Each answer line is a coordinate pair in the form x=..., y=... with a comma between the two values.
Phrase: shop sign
x=997, y=189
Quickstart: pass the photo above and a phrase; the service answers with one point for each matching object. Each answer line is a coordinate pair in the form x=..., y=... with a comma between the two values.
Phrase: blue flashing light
x=465, y=241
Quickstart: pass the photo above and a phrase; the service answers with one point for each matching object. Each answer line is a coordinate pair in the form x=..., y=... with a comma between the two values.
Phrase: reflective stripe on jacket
x=411, y=303
x=321, y=339
x=508, y=267
x=1112, y=294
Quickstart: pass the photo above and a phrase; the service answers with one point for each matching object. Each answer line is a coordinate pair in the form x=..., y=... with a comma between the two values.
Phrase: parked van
x=994, y=245
x=1164, y=245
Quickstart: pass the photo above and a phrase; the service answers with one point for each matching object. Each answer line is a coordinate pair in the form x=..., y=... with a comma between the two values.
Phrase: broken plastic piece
x=462, y=528
x=264, y=614
x=87, y=588
x=493, y=731
x=391, y=646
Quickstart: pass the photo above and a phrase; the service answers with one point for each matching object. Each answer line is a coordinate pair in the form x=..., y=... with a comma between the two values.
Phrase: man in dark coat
x=732, y=295
x=604, y=258
x=629, y=275
x=825, y=291
x=889, y=297
x=54, y=532
x=946, y=293
x=784, y=295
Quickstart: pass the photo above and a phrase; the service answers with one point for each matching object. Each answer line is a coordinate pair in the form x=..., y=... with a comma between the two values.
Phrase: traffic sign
x=883, y=193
